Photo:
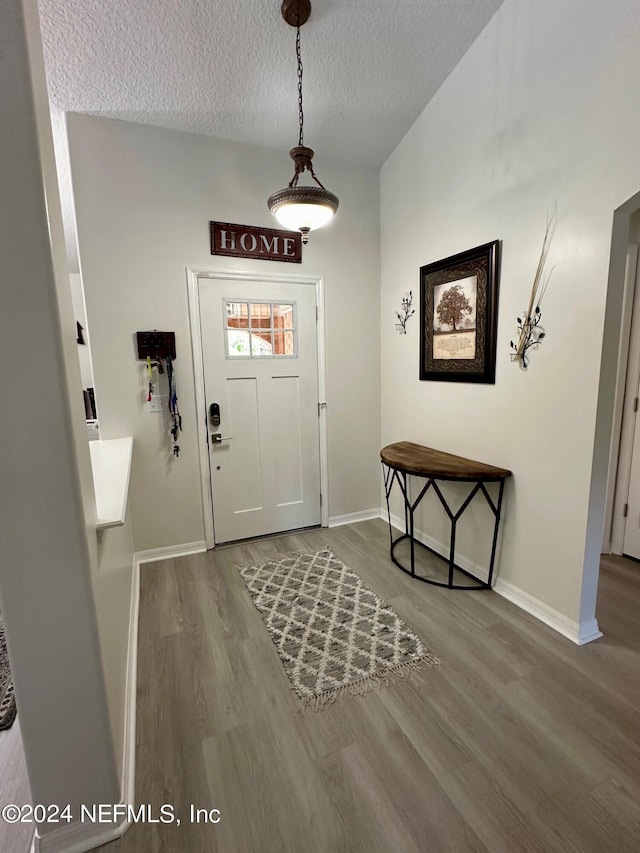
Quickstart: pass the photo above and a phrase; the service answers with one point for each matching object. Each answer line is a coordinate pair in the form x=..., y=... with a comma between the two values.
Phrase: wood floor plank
x=584, y=822
x=327, y=731
x=491, y=812
x=369, y=822
x=439, y=744
x=413, y=789
x=264, y=790
x=597, y=745
x=169, y=615
x=14, y=789
x=613, y=800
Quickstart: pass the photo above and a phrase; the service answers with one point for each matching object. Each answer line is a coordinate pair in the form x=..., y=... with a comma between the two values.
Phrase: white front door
x=259, y=348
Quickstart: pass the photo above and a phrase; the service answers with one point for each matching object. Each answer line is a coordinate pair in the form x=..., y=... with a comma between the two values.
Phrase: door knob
x=216, y=438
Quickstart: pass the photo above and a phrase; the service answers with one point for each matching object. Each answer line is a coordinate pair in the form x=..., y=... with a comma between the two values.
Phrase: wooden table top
x=426, y=462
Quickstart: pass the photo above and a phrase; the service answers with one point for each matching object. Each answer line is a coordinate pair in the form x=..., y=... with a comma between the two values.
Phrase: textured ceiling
x=227, y=67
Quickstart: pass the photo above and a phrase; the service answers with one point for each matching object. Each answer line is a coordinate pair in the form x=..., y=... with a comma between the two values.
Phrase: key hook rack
x=156, y=345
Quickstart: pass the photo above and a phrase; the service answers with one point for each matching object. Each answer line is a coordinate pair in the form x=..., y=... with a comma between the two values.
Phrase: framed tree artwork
x=458, y=316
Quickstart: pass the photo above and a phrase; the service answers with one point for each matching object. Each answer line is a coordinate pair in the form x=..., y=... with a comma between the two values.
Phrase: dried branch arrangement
x=406, y=312
x=530, y=332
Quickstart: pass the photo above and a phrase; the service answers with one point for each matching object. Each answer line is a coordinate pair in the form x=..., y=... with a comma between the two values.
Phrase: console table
x=405, y=459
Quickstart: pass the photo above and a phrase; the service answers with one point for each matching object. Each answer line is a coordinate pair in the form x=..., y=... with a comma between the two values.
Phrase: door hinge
x=635, y=405
x=321, y=406
x=316, y=313
x=625, y=510
x=320, y=500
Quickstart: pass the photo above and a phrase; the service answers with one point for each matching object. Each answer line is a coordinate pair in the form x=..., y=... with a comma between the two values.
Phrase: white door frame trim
x=193, y=274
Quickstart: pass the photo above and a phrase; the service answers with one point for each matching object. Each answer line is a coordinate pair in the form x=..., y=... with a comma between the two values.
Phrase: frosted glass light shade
x=297, y=216
x=303, y=208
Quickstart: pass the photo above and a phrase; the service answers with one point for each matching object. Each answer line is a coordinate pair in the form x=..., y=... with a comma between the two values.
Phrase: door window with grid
x=260, y=329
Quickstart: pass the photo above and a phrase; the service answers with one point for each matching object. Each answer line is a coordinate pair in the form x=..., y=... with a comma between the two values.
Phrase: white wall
x=539, y=111
x=46, y=503
x=144, y=198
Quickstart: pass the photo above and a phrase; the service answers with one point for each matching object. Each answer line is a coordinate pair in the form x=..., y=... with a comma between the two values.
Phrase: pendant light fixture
x=301, y=208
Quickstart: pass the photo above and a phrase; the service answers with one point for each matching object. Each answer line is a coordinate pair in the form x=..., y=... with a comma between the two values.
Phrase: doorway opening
x=616, y=359
x=622, y=517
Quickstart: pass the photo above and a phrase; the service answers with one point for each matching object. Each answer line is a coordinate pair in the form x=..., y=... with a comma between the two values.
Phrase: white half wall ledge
x=111, y=466
x=578, y=632
x=354, y=517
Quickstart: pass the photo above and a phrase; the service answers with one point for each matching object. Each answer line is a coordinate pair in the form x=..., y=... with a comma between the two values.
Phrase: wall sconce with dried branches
x=530, y=332
x=405, y=312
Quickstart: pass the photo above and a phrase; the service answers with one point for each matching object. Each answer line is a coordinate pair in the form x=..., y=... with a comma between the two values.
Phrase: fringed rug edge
x=365, y=685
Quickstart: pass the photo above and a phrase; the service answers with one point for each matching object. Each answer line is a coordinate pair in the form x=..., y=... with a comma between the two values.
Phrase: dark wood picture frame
x=458, y=316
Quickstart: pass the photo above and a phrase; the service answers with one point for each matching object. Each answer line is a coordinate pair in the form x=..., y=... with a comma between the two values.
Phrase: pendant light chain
x=301, y=208
x=300, y=113
x=305, y=162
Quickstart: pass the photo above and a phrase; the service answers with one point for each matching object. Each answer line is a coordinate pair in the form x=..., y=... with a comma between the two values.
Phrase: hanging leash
x=150, y=373
x=174, y=411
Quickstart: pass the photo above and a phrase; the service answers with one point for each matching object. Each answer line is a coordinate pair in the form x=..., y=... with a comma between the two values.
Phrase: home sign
x=249, y=241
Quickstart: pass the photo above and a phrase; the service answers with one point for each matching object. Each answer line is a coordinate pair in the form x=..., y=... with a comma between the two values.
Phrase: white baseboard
x=353, y=517
x=170, y=551
x=579, y=633
x=129, y=746
x=76, y=838
x=588, y=631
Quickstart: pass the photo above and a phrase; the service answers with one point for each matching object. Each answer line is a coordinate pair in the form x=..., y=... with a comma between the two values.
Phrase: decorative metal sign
x=249, y=241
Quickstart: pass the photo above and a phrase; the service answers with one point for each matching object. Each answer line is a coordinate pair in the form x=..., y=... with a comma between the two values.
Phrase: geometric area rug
x=7, y=698
x=335, y=636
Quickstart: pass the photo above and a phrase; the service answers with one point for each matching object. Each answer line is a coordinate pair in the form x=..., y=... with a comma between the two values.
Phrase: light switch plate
x=158, y=404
